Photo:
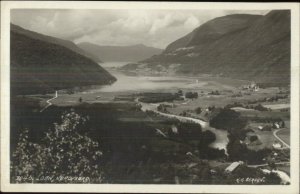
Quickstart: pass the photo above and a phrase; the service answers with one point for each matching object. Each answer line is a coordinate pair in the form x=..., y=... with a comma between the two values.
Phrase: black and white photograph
x=187, y=95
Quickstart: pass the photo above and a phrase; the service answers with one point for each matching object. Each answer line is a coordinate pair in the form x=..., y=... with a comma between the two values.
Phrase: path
x=161, y=133
x=48, y=102
x=275, y=135
x=261, y=165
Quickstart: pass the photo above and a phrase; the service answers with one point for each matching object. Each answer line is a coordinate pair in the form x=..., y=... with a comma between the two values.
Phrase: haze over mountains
x=251, y=47
x=132, y=53
x=42, y=64
x=242, y=46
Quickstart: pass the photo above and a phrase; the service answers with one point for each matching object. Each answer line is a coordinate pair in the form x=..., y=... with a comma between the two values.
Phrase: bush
x=63, y=154
x=191, y=95
x=214, y=93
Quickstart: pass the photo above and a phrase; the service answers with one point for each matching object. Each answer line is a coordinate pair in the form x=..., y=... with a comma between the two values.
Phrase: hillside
x=241, y=46
x=39, y=66
x=65, y=43
x=131, y=53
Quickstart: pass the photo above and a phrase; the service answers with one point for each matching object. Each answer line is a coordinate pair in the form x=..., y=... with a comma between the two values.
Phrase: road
x=221, y=135
x=49, y=102
x=261, y=165
x=279, y=139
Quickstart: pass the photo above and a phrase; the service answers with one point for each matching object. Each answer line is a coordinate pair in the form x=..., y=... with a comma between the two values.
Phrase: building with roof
x=233, y=166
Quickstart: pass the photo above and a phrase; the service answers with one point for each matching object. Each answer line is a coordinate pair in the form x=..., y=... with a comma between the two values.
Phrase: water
x=113, y=64
x=142, y=83
x=127, y=83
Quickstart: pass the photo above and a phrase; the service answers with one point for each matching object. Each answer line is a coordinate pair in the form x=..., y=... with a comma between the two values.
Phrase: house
x=212, y=171
x=277, y=146
x=252, y=87
x=233, y=166
x=276, y=125
x=174, y=129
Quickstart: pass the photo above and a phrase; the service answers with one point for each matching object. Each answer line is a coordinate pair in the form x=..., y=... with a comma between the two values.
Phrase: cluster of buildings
x=251, y=87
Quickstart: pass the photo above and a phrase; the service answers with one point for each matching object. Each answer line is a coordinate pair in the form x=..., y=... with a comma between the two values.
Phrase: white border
x=5, y=37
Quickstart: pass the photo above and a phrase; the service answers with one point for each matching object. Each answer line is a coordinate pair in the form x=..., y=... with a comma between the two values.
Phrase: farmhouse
x=251, y=87
x=233, y=166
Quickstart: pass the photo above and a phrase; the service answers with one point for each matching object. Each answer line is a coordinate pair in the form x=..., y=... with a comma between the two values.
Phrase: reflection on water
x=113, y=64
x=138, y=83
x=146, y=83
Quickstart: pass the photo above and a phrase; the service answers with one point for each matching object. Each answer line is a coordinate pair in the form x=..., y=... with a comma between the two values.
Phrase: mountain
x=65, y=43
x=131, y=53
x=42, y=64
x=252, y=47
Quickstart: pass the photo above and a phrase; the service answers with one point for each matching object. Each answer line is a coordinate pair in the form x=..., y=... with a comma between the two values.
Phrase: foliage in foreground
x=63, y=156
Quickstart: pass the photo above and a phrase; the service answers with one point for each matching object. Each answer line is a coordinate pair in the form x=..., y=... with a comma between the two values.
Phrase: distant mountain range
x=253, y=47
x=42, y=64
x=131, y=53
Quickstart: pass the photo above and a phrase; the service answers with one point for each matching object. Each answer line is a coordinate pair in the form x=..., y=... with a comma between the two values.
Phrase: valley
x=212, y=107
x=160, y=117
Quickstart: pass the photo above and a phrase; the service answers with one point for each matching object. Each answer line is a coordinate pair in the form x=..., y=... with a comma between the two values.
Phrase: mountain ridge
x=68, y=44
x=131, y=53
x=251, y=47
x=39, y=66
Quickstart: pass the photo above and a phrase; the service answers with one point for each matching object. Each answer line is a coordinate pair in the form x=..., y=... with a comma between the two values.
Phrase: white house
x=277, y=146
x=276, y=125
x=174, y=129
x=233, y=166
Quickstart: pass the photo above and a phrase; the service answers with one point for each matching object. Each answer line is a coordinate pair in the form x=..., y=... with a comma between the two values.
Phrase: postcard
x=155, y=97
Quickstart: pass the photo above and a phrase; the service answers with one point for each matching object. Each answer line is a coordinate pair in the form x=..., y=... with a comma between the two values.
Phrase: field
x=277, y=106
x=142, y=146
x=266, y=139
x=285, y=135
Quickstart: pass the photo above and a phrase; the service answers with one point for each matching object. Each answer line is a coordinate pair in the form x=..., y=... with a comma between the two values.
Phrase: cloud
x=155, y=28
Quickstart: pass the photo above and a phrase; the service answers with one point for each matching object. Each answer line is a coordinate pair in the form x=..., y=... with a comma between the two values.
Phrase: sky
x=156, y=28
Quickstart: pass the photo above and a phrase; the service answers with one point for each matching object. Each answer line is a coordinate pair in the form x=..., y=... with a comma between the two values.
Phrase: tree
x=180, y=92
x=62, y=153
x=191, y=95
x=198, y=110
x=228, y=119
x=235, y=149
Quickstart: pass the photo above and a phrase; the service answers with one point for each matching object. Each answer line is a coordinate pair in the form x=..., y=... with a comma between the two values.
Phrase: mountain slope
x=240, y=46
x=132, y=53
x=39, y=66
x=68, y=44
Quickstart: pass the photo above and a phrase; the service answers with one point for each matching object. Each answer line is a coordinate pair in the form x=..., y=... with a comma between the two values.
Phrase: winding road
x=221, y=135
x=48, y=102
x=279, y=139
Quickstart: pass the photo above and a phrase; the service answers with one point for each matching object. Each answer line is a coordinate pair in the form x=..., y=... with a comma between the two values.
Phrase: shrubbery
x=191, y=95
x=63, y=152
